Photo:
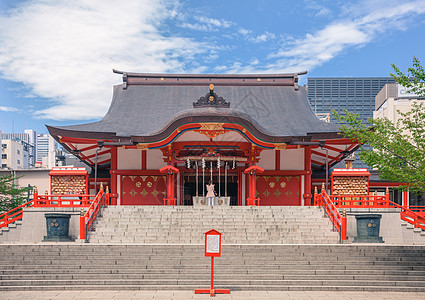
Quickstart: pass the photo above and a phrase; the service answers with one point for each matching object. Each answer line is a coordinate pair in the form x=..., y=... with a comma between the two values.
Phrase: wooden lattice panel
x=350, y=185
x=68, y=184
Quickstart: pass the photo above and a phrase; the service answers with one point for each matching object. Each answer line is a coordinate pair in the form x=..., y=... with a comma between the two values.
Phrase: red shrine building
x=165, y=137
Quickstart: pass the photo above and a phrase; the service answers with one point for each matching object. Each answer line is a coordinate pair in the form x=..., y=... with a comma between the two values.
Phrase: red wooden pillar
x=251, y=173
x=307, y=181
x=405, y=198
x=170, y=172
x=114, y=164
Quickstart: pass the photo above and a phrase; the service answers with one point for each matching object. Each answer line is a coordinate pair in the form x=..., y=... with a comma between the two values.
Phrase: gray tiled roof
x=147, y=110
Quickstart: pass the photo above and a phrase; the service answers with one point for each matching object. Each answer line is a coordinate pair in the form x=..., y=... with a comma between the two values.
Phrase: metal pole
x=197, y=183
x=225, y=180
x=219, y=181
x=326, y=189
x=203, y=179
x=95, y=174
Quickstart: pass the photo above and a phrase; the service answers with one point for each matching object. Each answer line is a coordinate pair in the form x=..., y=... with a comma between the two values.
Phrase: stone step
x=241, y=267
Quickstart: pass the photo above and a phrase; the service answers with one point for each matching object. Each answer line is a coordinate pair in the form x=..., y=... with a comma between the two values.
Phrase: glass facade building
x=355, y=94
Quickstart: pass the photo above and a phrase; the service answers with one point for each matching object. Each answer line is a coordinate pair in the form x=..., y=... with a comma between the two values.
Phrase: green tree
x=415, y=78
x=11, y=195
x=398, y=149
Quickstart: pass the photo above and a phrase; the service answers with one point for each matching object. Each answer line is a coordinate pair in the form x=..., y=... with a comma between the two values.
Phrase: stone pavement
x=183, y=295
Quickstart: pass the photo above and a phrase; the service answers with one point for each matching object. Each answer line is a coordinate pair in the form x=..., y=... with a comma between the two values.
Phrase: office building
x=355, y=94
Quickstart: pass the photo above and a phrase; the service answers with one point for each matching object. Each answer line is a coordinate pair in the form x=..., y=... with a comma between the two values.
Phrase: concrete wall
x=35, y=177
x=34, y=222
x=393, y=230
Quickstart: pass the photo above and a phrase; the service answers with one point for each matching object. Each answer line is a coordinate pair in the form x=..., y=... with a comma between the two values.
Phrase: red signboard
x=212, y=249
x=212, y=243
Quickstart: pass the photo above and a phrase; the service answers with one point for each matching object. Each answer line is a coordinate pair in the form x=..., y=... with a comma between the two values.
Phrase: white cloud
x=264, y=37
x=244, y=31
x=215, y=22
x=8, y=108
x=314, y=49
x=207, y=24
x=65, y=50
x=317, y=9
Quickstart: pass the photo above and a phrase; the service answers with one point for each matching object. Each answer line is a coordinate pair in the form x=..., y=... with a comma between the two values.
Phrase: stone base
x=57, y=239
x=368, y=239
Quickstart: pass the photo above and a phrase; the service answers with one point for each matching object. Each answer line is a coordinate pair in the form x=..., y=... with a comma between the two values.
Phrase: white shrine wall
x=129, y=159
x=267, y=160
x=292, y=159
x=154, y=159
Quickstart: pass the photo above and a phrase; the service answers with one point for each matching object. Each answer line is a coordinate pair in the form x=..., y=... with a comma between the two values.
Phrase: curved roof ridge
x=168, y=75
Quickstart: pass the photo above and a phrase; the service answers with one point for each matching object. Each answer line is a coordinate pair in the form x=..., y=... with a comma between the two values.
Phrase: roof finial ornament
x=211, y=99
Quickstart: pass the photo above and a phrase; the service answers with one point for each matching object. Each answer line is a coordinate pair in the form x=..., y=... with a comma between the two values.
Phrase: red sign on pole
x=212, y=249
x=212, y=243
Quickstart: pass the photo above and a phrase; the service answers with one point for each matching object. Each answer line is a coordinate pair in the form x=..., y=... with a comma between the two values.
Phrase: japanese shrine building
x=165, y=136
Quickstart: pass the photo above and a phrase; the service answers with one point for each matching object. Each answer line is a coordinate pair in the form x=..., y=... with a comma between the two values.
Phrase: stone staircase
x=239, y=225
x=11, y=233
x=415, y=236
x=241, y=267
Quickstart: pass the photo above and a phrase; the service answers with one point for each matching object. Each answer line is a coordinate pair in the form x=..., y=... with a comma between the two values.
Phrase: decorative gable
x=211, y=100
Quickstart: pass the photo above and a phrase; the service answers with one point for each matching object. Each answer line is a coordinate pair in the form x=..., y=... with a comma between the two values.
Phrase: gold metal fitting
x=35, y=189
x=323, y=186
x=387, y=190
x=46, y=192
x=82, y=213
x=107, y=189
x=315, y=189
x=101, y=185
x=344, y=213
x=211, y=87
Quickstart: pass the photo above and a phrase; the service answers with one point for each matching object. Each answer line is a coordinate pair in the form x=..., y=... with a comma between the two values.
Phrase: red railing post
x=344, y=225
x=82, y=225
x=387, y=197
x=35, y=196
x=316, y=197
x=322, y=198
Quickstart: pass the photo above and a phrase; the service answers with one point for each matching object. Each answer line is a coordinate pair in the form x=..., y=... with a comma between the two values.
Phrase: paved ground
x=183, y=295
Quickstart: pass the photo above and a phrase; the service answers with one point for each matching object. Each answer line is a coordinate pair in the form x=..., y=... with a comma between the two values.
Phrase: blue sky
x=57, y=56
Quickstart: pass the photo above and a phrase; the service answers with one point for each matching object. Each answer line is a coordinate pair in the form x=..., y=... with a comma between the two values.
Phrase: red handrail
x=71, y=200
x=87, y=218
x=339, y=221
x=406, y=214
x=14, y=215
x=364, y=201
x=414, y=215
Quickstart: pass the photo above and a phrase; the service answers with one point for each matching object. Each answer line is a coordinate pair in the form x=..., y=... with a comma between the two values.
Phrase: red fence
x=414, y=215
x=91, y=202
x=339, y=221
x=13, y=215
x=87, y=218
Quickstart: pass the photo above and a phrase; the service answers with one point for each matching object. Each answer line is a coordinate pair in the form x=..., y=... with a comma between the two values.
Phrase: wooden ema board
x=68, y=184
x=350, y=185
x=143, y=190
x=279, y=190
